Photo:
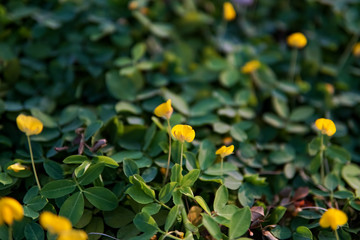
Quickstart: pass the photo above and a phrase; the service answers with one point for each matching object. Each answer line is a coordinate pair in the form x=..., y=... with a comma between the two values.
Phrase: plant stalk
x=169, y=156
x=33, y=163
x=181, y=155
x=10, y=230
x=292, y=69
x=222, y=165
x=337, y=235
x=322, y=166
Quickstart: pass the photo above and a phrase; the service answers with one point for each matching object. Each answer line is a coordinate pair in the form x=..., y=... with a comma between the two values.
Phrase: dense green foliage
x=104, y=65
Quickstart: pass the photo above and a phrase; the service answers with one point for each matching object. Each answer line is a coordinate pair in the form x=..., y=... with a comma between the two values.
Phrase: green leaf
x=229, y=77
x=138, y=51
x=240, y=223
x=280, y=106
x=338, y=154
x=202, y=204
x=119, y=217
x=282, y=156
x=92, y=129
x=5, y=179
x=176, y=175
x=34, y=231
x=166, y=192
x=189, y=179
x=145, y=223
x=53, y=169
x=276, y=215
x=331, y=182
x=92, y=173
x=176, y=101
x=211, y=225
x=221, y=198
x=301, y=113
x=350, y=174
x=172, y=216
x=273, y=120
x=58, y=188
x=75, y=159
x=238, y=133
x=152, y=208
x=130, y=167
x=120, y=87
x=281, y=232
x=73, y=208
x=107, y=161
x=302, y=233
x=47, y=121
x=102, y=198
x=206, y=154
x=80, y=170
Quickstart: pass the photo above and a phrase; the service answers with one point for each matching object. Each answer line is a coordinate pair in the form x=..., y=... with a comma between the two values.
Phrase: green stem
x=10, y=232
x=169, y=235
x=169, y=156
x=337, y=235
x=222, y=165
x=181, y=155
x=163, y=204
x=322, y=166
x=33, y=163
x=292, y=69
x=346, y=54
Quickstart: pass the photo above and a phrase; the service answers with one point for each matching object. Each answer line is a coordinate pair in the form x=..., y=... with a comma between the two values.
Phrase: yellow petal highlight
x=16, y=167
x=297, y=40
x=333, y=218
x=229, y=11
x=356, y=50
x=164, y=110
x=250, y=66
x=183, y=133
x=53, y=223
x=10, y=210
x=326, y=126
x=225, y=151
x=73, y=235
x=29, y=125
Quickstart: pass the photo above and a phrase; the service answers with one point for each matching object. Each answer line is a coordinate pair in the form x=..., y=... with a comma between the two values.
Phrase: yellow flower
x=326, y=126
x=251, y=66
x=73, y=234
x=29, y=125
x=229, y=11
x=16, y=167
x=10, y=210
x=225, y=151
x=164, y=110
x=297, y=40
x=356, y=50
x=54, y=224
x=183, y=133
x=333, y=218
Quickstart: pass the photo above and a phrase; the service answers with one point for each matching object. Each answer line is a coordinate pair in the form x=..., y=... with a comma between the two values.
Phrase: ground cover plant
x=191, y=119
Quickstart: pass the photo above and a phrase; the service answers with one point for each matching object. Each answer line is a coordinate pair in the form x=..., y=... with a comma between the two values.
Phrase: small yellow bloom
x=329, y=88
x=53, y=223
x=297, y=40
x=73, y=234
x=183, y=133
x=333, y=218
x=356, y=50
x=16, y=167
x=225, y=151
x=250, y=66
x=229, y=11
x=326, y=126
x=10, y=210
x=29, y=125
x=164, y=110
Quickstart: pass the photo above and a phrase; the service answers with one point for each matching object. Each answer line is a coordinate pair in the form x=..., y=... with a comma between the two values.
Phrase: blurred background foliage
x=106, y=64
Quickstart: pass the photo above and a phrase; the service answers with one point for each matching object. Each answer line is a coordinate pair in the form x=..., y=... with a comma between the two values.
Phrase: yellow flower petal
x=10, y=210
x=250, y=66
x=333, y=218
x=229, y=11
x=16, y=167
x=225, y=151
x=73, y=234
x=326, y=126
x=53, y=223
x=183, y=133
x=164, y=110
x=356, y=50
x=297, y=40
x=29, y=125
